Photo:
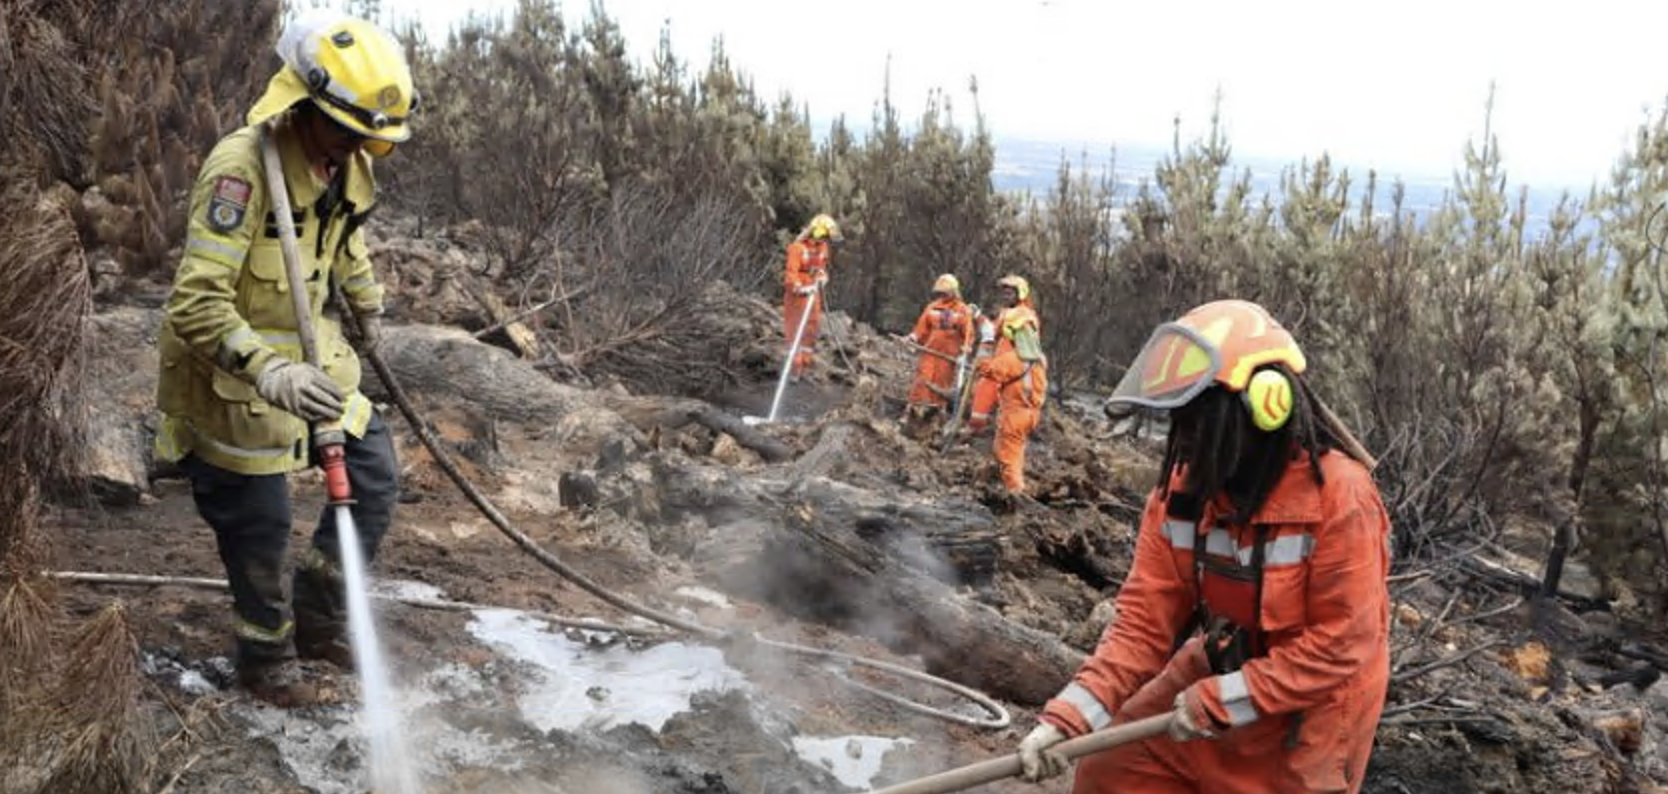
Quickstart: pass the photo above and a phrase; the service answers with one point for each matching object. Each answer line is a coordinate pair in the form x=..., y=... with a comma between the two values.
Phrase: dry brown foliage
x=95, y=733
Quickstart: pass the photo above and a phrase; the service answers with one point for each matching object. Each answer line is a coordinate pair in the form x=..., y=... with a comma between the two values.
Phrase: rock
x=1408, y=616
x=1656, y=696
x=727, y=451
x=578, y=489
x=121, y=400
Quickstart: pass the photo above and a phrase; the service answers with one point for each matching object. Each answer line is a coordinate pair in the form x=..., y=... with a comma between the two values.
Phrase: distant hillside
x=1030, y=165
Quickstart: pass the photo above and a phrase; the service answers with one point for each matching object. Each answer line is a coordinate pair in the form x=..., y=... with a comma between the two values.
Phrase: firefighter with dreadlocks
x=235, y=391
x=803, y=281
x=1018, y=373
x=1256, y=610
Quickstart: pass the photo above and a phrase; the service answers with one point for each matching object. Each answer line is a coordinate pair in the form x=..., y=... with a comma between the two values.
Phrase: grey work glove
x=1190, y=721
x=301, y=389
x=1035, y=759
x=370, y=331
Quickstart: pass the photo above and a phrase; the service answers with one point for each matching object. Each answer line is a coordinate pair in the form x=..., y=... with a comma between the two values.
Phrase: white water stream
x=391, y=765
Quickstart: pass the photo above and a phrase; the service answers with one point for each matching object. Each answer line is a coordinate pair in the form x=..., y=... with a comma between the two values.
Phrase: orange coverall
x=984, y=389
x=807, y=265
x=945, y=326
x=1022, y=386
x=1304, y=708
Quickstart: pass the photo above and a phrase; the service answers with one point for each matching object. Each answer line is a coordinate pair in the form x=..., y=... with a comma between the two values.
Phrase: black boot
x=319, y=600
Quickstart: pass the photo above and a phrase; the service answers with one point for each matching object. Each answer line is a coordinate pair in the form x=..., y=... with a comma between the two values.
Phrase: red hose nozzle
x=334, y=462
x=329, y=446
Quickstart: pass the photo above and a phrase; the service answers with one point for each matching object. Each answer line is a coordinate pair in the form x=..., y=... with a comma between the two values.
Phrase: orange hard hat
x=1223, y=342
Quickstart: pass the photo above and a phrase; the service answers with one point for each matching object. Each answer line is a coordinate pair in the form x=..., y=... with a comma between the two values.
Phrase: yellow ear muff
x=1269, y=398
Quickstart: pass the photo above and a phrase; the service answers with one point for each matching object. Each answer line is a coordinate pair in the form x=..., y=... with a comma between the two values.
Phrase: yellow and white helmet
x=947, y=284
x=822, y=227
x=353, y=70
x=1019, y=284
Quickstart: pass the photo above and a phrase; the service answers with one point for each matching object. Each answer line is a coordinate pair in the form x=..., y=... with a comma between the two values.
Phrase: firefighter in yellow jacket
x=235, y=391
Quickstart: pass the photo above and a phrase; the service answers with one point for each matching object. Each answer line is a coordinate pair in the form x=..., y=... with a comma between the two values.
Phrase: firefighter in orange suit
x=1257, y=609
x=945, y=328
x=983, y=406
x=1020, y=374
x=805, y=277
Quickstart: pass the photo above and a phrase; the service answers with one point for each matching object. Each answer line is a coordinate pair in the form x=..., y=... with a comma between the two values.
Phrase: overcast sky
x=1399, y=85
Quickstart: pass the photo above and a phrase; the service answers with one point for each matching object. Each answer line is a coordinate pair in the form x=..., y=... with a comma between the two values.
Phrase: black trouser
x=250, y=515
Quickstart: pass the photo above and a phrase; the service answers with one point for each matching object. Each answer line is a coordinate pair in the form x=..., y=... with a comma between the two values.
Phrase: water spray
x=391, y=771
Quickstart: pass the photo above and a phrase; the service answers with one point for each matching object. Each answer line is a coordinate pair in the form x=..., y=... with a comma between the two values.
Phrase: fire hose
x=995, y=715
x=997, y=718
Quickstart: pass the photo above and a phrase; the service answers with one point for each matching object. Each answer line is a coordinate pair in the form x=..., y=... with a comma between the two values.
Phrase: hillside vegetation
x=1496, y=371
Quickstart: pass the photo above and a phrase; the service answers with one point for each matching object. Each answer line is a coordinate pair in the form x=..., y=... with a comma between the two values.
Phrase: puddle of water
x=575, y=687
x=853, y=760
x=405, y=588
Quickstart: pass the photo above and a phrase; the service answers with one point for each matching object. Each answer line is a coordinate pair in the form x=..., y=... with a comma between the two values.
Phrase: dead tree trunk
x=876, y=566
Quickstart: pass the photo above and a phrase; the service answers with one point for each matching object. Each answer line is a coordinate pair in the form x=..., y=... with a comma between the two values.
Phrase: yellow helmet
x=1019, y=284
x=947, y=283
x=822, y=227
x=352, y=70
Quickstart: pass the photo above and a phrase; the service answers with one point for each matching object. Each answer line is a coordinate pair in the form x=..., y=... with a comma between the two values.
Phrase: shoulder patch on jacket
x=228, y=203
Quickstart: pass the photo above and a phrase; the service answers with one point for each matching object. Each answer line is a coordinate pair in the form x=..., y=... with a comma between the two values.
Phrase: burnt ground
x=727, y=742
x=1511, y=734
x=1489, y=696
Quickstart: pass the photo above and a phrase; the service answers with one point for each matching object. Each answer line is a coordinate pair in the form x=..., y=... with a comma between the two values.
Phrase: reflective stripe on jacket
x=1324, y=611
x=807, y=260
x=230, y=311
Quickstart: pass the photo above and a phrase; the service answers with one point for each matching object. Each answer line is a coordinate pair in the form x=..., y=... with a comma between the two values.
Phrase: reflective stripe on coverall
x=1023, y=385
x=807, y=262
x=945, y=327
x=1305, y=712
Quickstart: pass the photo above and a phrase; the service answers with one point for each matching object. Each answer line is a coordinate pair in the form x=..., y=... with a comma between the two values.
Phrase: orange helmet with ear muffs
x=1227, y=343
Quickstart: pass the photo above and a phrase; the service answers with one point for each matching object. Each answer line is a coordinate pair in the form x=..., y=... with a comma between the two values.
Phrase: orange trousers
x=1324, y=750
x=1013, y=429
x=934, y=379
x=794, y=306
x=985, y=394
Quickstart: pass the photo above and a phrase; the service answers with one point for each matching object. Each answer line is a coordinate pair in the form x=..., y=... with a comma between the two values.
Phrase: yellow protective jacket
x=231, y=311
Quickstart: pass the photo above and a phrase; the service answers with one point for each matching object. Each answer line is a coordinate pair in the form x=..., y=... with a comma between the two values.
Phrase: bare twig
x=1447, y=661
x=565, y=297
x=184, y=768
